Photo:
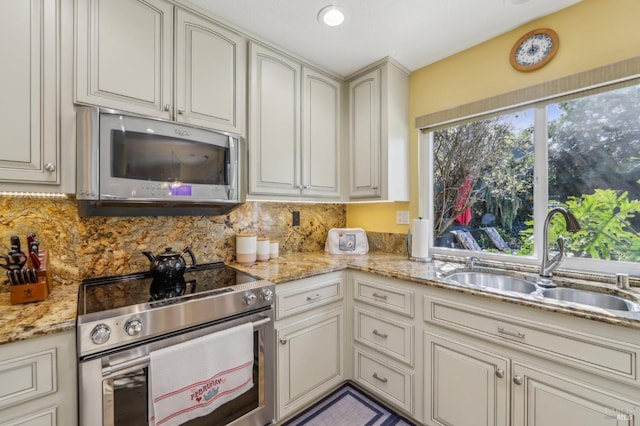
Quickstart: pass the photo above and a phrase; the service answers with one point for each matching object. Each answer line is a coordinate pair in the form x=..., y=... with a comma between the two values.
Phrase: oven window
x=131, y=397
x=145, y=156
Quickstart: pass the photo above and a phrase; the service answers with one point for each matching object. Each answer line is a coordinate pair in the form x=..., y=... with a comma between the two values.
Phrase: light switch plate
x=402, y=217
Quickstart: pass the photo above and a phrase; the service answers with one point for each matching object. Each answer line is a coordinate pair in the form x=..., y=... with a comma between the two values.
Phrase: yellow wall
x=592, y=33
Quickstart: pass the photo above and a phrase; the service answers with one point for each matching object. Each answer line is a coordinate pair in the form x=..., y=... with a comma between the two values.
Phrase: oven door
x=117, y=385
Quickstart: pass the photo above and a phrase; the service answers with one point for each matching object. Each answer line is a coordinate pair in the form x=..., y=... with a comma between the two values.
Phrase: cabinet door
x=29, y=102
x=544, y=398
x=274, y=123
x=320, y=135
x=364, y=135
x=210, y=74
x=310, y=360
x=124, y=55
x=464, y=386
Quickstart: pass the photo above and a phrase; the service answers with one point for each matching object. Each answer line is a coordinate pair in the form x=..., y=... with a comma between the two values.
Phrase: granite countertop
x=58, y=312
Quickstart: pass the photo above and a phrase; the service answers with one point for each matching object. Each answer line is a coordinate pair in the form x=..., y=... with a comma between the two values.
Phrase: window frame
x=540, y=191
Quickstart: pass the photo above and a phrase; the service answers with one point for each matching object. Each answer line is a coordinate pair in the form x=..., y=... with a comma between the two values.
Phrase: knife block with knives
x=33, y=291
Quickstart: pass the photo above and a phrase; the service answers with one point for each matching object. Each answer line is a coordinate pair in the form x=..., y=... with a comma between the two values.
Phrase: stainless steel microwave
x=130, y=165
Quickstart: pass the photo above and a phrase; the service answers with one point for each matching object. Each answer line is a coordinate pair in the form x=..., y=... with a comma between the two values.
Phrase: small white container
x=246, y=248
x=263, y=249
x=274, y=249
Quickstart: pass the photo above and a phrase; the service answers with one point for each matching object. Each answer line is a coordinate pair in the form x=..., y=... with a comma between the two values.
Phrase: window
x=494, y=179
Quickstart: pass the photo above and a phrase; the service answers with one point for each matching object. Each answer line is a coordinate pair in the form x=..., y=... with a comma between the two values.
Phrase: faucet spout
x=549, y=265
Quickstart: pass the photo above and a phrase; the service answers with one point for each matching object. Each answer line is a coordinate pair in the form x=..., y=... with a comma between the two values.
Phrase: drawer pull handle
x=499, y=373
x=380, y=333
x=518, y=334
x=381, y=379
x=314, y=297
x=380, y=296
x=517, y=380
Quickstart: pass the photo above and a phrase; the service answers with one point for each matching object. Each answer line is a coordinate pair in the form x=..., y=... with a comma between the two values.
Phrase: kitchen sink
x=492, y=280
x=591, y=298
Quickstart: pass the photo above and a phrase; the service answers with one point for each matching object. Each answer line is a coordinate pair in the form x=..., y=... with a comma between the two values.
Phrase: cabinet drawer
x=391, y=337
x=27, y=377
x=569, y=346
x=42, y=418
x=384, y=296
x=391, y=383
x=307, y=294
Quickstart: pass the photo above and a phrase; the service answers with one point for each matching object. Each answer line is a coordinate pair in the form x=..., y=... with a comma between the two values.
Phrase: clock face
x=534, y=49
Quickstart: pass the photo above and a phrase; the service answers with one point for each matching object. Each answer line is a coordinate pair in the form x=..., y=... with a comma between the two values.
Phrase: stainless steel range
x=122, y=319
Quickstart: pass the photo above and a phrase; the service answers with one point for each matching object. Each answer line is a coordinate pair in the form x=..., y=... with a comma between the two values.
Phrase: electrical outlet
x=296, y=218
x=402, y=217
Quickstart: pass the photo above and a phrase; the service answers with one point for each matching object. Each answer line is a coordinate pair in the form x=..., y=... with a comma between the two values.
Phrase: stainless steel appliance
x=122, y=319
x=134, y=165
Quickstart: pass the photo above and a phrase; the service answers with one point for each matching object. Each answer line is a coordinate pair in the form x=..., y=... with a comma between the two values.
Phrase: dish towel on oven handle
x=193, y=378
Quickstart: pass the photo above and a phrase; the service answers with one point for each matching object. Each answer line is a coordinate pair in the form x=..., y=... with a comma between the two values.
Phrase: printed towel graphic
x=192, y=379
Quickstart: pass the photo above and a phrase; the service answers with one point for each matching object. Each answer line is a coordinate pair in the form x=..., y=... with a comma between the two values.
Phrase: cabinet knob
x=517, y=380
x=283, y=341
x=181, y=111
x=499, y=373
x=50, y=167
x=167, y=107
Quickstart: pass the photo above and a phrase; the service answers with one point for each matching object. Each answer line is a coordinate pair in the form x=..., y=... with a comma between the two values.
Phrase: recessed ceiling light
x=331, y=16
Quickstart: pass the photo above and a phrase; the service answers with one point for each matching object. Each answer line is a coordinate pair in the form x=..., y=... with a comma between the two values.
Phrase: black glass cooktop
x=101, y=294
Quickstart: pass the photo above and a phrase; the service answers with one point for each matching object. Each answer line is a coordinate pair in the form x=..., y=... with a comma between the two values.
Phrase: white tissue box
x=346, y=241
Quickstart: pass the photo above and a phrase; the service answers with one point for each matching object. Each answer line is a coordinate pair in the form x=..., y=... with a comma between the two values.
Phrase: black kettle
x=169, y=266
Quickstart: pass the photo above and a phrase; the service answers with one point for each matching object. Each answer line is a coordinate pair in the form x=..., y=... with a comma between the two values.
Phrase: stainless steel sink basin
x=591, y=298
x=492, y=280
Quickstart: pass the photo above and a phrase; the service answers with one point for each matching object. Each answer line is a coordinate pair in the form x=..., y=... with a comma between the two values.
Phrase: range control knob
x=100, y=334
x=249, y=299
x=133, y=327
x=267, y=295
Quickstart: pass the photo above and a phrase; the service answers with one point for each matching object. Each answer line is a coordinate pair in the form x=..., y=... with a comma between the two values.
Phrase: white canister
x=274, y=249
x=263, y=249
x=246, y=248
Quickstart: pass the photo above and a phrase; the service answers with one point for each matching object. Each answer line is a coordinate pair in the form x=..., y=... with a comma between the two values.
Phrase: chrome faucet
x=471, y=262
x=548, y=265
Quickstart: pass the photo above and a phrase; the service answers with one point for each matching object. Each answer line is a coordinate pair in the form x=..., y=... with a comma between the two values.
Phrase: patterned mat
x=347, y=406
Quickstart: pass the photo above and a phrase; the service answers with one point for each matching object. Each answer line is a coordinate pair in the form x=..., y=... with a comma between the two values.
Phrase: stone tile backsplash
x=98, y=246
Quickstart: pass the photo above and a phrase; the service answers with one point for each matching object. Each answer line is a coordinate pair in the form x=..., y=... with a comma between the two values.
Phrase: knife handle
x=35, y=260
x=15, y=243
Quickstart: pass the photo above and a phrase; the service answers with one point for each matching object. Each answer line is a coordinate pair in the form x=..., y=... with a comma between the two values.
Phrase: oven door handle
x=108, y=370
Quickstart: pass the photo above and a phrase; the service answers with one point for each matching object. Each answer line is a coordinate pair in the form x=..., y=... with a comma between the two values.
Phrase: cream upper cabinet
x=29, y=106
x=321, y=99
x=210, y=74
x=126, y=61
x=294, y=128
x=379, y=133
x=125, y=55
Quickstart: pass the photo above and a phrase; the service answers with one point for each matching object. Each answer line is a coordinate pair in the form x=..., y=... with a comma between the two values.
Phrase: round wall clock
x=534, y=49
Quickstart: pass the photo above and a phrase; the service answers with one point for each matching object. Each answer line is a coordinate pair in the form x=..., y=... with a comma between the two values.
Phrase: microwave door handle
x=233, y=170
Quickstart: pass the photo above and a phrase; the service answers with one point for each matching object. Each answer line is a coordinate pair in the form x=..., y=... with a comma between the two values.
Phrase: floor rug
x=347, y=406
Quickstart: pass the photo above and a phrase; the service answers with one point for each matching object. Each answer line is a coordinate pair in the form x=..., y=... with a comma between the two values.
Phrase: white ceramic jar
x=274, y=250
x=263, y=249
x=246, y=248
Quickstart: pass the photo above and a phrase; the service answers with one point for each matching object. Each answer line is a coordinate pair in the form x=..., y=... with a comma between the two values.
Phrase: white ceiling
x=413, y=32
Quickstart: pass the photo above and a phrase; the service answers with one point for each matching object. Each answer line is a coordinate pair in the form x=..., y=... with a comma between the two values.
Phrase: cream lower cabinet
x=466, y=386
x=384, y=336
x=310, y=340
x=38, y=381
x=492, y=363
